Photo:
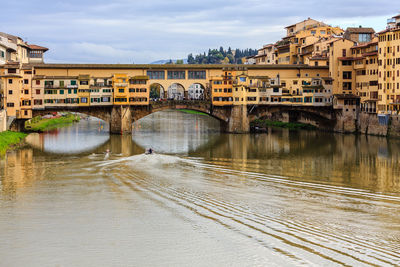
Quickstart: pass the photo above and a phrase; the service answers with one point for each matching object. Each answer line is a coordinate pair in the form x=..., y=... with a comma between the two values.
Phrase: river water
x=204, y=199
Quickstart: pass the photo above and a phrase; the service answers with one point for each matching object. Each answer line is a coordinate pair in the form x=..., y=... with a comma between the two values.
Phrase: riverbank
x=189, y=111
x=39, y=124
x=9, y=139
x=260, y=125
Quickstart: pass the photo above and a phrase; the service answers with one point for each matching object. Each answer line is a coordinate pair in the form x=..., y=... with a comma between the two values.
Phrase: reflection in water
x=80, y=137
x=175, y=132
x=282, y=198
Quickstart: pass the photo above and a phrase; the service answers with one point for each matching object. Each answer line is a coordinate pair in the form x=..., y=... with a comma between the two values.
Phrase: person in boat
x=149, y=151
x=107, y=154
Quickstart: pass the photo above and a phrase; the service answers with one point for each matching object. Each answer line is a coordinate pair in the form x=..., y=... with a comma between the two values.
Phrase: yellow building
x=139, y=90
x=120, y=86
x=366, y=74
x=389, y=67
x=299, y=43
x=221, y=88
x=12, y=86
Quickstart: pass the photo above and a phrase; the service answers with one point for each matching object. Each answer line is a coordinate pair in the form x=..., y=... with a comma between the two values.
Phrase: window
x=26, y=92
x=61, y=83
x=37, y=102
x=83, y=99
x=364, y=37
x=347, y=86
x=10, y=105
x=10, y=92
x=61, y=92
x=346, y=74
x=156, y=74
x=10, y=81
x=73, y=82
x=343, y=52
x=26, y=81
x=84, y=82
x=37, y=82
x=38, y=91
x=176, y=74
x=121, y=90
x=197, y=74
x=2, y=54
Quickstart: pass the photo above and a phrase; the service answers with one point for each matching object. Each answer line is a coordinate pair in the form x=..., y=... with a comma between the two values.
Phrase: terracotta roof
x=36, y=47
x=360, y=30
x=365, y=45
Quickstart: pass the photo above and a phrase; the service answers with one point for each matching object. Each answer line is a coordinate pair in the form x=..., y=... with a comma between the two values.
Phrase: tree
x=155, y=91
x=191, y=59
x=226, y=60
x=179, y=61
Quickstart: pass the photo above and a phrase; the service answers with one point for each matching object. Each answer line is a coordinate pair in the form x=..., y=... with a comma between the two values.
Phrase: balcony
x=120, y=84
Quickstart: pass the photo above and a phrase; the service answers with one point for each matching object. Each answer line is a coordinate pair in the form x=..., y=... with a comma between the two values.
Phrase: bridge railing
x=179, y=102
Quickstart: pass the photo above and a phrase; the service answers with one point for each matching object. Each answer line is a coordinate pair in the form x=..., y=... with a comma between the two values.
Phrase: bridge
x=233, y=119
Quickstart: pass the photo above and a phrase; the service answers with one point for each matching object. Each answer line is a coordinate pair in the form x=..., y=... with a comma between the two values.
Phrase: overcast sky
x=127, y=31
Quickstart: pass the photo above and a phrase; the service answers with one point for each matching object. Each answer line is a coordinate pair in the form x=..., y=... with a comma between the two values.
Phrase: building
x=196, y=92
x=389, y=67
x=266, y=55
x=359, y=35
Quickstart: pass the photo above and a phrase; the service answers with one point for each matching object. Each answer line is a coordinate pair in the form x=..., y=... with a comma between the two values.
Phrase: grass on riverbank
x=288, y=125
x=8, y=139
x=189, y=111
x=38, y=124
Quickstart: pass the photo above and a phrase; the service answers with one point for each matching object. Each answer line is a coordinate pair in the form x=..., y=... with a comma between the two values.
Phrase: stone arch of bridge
x=201, y=106
x=186, y=83
x=320, y=118
x=103, y=113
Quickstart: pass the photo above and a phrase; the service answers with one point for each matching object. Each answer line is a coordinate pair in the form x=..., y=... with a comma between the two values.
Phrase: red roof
x=36, y=47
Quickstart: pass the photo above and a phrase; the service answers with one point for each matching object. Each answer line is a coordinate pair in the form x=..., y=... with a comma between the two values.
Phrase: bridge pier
x=121, y=120
x=239, y=120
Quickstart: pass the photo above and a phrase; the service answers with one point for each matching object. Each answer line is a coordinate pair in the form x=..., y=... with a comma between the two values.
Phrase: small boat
x=149, y=151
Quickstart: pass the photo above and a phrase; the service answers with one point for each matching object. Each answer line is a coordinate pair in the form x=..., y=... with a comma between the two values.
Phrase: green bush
x=10, y=138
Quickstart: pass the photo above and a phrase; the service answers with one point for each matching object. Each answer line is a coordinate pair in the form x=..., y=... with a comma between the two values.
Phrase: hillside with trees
x=221, y=56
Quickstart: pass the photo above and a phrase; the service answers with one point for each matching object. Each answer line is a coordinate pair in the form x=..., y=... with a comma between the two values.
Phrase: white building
x=196, y=92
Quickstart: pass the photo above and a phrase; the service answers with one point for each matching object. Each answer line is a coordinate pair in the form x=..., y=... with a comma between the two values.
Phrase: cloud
x=143, y=31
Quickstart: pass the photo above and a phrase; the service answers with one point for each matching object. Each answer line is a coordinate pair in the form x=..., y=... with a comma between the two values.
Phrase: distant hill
x=165, y=61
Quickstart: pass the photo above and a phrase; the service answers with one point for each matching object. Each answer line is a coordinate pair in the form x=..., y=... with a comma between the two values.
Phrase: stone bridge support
x=239, y=120
x=121, y=120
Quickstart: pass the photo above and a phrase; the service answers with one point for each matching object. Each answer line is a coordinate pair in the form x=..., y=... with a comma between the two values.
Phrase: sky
x=131, y=31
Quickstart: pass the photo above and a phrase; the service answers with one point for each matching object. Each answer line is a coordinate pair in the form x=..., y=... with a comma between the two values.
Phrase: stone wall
x=3, y=121
x=394, y=127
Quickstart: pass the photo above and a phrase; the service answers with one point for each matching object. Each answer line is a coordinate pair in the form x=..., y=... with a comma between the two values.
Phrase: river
x=283, y=198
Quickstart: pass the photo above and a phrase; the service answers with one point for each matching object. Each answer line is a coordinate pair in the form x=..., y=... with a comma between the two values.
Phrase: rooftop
x=37, y=47
x=360, y=30
x=170, y=66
